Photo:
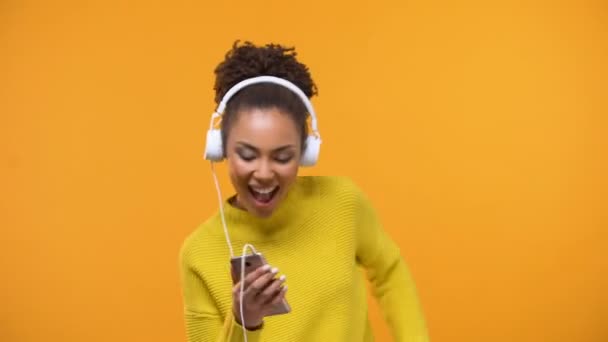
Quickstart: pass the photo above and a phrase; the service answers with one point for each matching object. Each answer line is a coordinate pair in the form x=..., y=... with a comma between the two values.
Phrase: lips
x=264, y=195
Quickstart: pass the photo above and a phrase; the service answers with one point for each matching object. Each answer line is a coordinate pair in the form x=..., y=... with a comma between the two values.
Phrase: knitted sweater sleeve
x=204, y=322
x=392, y=284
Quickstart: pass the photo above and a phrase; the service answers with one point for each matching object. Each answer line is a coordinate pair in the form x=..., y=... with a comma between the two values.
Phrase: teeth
x=264, y=191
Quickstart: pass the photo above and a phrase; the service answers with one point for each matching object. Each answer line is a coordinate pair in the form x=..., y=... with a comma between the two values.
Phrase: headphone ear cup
x=213, y=149
x=311, y=151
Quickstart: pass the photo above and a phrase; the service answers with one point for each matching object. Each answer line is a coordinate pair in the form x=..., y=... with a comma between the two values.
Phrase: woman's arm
x=204, y=322
x=391, y=281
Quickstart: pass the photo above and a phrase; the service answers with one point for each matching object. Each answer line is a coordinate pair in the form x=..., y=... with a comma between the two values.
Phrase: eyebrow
x=249, y=146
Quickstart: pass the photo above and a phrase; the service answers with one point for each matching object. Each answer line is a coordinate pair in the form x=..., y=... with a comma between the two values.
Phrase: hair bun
x=247, y=60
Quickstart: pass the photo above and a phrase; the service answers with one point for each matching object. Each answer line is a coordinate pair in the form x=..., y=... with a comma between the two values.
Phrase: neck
x=235, y=202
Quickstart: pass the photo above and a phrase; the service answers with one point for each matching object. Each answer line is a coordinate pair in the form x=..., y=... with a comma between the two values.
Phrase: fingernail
x=275, y=270
x=285, y=288
x=282, y=278
x=265, y=267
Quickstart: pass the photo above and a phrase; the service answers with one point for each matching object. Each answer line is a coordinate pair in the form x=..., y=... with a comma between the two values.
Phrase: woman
x=321, y=232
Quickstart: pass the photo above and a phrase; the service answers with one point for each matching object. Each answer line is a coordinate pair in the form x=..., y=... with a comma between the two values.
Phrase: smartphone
x=252, y=262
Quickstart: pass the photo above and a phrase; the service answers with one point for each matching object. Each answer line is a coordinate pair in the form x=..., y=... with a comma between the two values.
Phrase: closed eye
x=284, y=159
x=282, y=155
x=246, y=155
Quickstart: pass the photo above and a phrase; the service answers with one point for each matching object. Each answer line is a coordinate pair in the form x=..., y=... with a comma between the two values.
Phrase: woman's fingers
x=261, y=290
x=260, y=284
x=249, y=279
x=253, y=276
x=278, y=297
x=268, y=294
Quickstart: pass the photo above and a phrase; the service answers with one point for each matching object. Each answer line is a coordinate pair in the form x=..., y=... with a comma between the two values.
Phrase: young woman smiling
x=320, y=231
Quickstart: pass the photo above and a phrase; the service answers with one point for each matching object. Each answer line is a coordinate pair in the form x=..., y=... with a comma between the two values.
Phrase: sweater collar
x=244, y=225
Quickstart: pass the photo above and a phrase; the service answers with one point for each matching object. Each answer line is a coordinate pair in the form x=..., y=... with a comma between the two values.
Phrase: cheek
x=288, y=172
x=239, y=170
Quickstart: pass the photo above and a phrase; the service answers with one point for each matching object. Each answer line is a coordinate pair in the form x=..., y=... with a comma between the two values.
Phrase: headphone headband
x=268, y=79
x=214, y=150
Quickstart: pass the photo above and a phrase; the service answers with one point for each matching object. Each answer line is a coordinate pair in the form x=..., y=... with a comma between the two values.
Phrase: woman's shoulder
x=202, y=239
x=332, y=186
x=326, y=180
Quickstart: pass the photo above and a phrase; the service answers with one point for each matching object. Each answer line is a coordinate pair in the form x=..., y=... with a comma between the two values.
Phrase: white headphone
x=214, y=150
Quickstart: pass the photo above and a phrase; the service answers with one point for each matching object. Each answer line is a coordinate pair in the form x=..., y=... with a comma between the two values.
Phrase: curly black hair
x=247, y=60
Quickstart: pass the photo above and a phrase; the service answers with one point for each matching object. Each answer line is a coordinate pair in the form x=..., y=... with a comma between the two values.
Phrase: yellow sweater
x=322, y=236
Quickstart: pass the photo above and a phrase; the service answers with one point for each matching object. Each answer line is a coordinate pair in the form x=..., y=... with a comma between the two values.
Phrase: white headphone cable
x=221, y=201
x=245, y=247
x=241, y=290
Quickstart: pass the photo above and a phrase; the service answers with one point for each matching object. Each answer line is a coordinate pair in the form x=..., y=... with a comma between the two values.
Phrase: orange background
x=478, y=129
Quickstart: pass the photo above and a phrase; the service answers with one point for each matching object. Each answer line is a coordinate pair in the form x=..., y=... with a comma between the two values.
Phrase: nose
x=263, y=171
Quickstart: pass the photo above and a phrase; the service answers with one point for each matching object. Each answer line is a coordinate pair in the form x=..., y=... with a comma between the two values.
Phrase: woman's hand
x=261, y=291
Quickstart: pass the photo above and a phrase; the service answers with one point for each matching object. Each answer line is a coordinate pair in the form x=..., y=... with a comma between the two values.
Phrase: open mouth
x=264, y=196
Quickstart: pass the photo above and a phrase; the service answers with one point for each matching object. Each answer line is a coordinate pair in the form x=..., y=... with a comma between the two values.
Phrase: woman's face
x=263, y=150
